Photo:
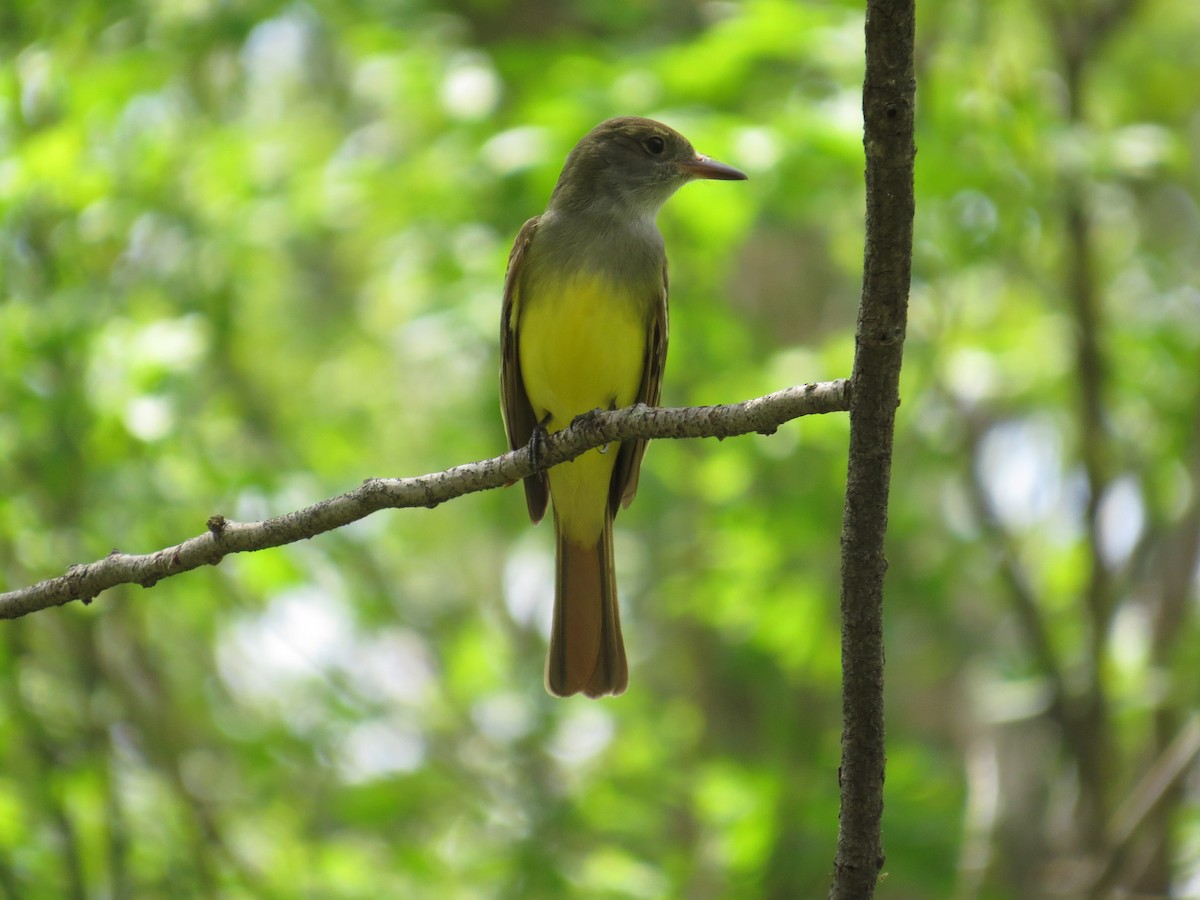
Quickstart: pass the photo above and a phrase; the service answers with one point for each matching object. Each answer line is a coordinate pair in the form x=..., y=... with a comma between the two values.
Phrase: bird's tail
x=586, y=650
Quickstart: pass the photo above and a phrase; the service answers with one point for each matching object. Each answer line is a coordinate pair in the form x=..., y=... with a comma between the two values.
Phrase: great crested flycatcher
x=584, y=327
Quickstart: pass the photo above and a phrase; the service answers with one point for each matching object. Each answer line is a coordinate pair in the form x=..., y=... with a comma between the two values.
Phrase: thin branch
x=1175, y=569
x=1026, y=603
x=889, y=94
x=1078, y=32
x=762, y=414
x=1093, y=752
x=1155, y=785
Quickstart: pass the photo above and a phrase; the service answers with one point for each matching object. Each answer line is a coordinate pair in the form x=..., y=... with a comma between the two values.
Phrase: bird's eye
x=655, y=145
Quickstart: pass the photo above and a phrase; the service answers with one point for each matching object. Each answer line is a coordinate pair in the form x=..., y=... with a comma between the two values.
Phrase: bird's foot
x=585, y=417
x=537, y=441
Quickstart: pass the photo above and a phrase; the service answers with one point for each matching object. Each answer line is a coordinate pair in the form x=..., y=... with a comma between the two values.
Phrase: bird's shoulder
x=521, y=245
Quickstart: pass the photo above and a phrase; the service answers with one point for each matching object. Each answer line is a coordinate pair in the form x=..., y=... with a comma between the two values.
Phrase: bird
x=584, y=327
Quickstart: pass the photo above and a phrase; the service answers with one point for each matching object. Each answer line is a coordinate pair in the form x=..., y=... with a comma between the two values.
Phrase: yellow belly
x=582, y=347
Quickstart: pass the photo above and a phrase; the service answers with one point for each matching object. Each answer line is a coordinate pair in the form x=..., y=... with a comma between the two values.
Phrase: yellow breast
x=582, y=343
x=582, y=346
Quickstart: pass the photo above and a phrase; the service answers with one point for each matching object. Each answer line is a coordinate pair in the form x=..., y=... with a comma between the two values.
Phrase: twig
x=1155, y=784
x=1078, y=34
x=889, y=93
x=1025, y=601
x=224, y=536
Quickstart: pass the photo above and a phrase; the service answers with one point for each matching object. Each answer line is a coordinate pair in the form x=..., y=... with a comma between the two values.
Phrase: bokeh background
x=251, y=253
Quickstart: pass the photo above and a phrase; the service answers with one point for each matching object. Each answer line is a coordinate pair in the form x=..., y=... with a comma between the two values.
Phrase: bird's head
x=632, y=164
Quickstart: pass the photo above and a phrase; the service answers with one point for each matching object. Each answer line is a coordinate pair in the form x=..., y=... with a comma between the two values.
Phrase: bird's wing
x=629, y=461
x=519, y=420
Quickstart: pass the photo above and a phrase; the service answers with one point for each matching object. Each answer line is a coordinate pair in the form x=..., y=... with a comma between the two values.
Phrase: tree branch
x=1078, y=32
x=762, y=414
x=1156, y=783
x=1026, y=603
x=889, y=94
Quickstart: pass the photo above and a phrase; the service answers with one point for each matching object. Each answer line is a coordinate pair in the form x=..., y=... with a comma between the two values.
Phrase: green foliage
x=251, y=254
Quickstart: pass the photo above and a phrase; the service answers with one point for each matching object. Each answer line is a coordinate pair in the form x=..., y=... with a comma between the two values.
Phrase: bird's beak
x=707, y=167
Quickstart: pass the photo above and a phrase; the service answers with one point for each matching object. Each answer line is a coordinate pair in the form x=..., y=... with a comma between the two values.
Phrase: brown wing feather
x=519, y=420
x=629, y=460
